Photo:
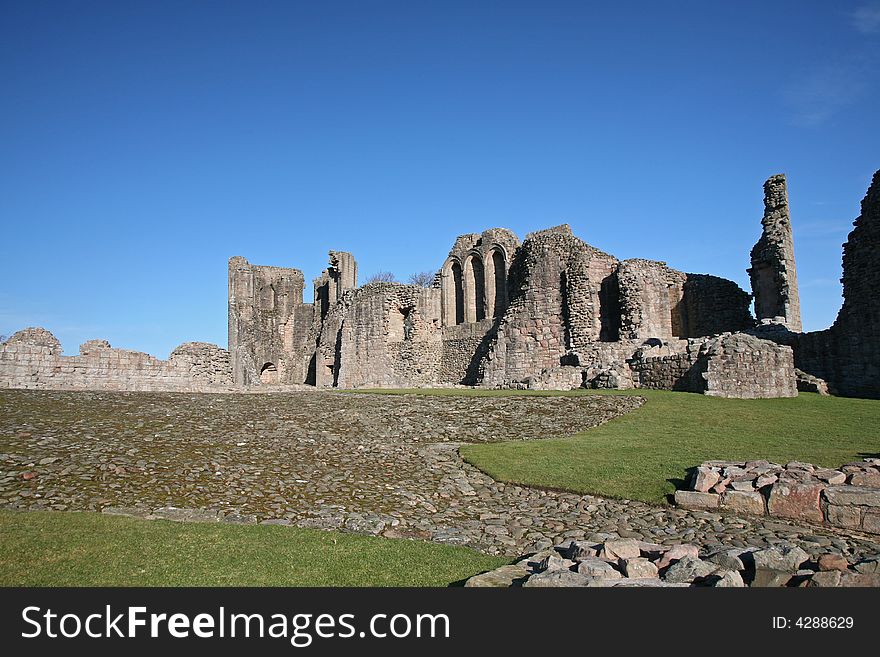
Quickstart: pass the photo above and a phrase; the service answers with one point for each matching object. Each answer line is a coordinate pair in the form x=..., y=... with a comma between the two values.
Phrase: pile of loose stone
x=848, y=498
x=632, y=563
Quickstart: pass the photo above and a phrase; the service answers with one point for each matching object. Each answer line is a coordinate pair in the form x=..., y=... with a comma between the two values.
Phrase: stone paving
x=380, y=464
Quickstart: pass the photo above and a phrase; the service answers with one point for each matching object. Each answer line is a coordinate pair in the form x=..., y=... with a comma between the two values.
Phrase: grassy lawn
x=641, y=455
x=91, y=549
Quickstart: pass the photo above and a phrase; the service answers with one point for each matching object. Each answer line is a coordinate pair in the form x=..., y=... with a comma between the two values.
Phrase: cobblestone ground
x=378, y=464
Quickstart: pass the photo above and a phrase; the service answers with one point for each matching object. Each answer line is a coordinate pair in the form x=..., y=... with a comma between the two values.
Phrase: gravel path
x=381, y=464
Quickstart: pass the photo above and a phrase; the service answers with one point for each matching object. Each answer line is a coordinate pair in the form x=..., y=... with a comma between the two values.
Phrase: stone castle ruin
x=550, y=312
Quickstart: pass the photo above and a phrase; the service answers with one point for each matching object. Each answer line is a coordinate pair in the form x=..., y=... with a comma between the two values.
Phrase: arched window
x=499, y=271
x=452, y=294
x=475, y=289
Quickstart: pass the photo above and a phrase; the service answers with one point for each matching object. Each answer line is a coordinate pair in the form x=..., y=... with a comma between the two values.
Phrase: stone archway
x=269, y=374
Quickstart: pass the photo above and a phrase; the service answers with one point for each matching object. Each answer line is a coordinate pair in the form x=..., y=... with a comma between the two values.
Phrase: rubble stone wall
x=847, y=498
x=262, y=312
x=659, y=302
x=555, y=288
x=32, y=358
x=730, y=365
x=390, y=337
x=773, y=273
x=847, y=355
x=460, y=345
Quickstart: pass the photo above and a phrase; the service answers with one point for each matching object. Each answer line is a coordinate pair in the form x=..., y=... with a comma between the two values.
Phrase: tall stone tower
x=773, y=273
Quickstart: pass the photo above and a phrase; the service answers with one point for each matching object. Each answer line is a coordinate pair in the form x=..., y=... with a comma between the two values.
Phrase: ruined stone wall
x=263, y=338
x=651, y=296
x=555, y=306
x=32, y=358
x=713, y=305
x=730, y=365
x=390, y=337
x=324, y=368
x=773, y=273
x=460, y=346
x=846, y=498
x=743, y=366
x=857, y=329
x=671, y=367
x=659, y=302
x=847, y=355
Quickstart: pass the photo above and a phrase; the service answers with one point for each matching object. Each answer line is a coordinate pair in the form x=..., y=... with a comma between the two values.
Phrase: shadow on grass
x=681, y=484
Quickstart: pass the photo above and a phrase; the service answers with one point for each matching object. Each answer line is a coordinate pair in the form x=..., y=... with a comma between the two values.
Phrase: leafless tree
x=382, y=277
x=422, y=278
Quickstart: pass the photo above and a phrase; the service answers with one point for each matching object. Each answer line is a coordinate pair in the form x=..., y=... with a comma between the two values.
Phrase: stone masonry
x=846, y=498
x=773, y=273
x=550, y=312
x=32, y=358
x=846, y=356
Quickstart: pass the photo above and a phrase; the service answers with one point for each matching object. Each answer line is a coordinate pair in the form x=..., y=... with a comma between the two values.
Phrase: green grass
x=642, y=455
x=90, y=549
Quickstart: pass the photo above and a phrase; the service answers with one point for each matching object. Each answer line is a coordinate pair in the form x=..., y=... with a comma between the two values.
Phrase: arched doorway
x=269, y=374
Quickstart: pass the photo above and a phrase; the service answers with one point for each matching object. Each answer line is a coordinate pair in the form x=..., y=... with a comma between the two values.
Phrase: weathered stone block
x=826, y=579
x=868, y=479
x=705, y=478
x=595, y=567
x=696, y=500
x=624, y=548
x=795, y=500
x=833, y=562
x=500, y=577
x=849, y=495
x=871, y=521
x=751, y=503
x=860, y=580
x=639, y=568
x=556, y=579
x=845, y=517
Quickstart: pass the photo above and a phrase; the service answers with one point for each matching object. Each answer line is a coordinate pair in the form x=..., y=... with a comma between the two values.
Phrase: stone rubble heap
x=629, y=562
x=848, y=498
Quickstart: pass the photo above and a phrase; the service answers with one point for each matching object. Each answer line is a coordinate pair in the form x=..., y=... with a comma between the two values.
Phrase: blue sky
x=144, y=143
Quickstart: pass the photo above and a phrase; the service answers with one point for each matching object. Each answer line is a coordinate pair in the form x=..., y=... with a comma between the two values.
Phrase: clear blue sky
x=144, y=143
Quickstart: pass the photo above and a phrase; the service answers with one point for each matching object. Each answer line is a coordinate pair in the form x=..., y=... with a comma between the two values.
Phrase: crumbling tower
x=773, y=273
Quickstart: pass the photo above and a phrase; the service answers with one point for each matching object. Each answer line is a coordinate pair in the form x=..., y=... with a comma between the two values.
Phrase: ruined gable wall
x=773, y=273
x=32, y=358
x=262, y=311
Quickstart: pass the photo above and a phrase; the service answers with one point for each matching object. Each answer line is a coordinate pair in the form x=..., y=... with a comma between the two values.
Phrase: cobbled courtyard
x=378, y=464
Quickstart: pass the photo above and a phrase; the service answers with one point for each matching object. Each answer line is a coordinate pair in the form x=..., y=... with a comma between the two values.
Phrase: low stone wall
x=847, y=498
x=32, y=358
x=729, y=365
